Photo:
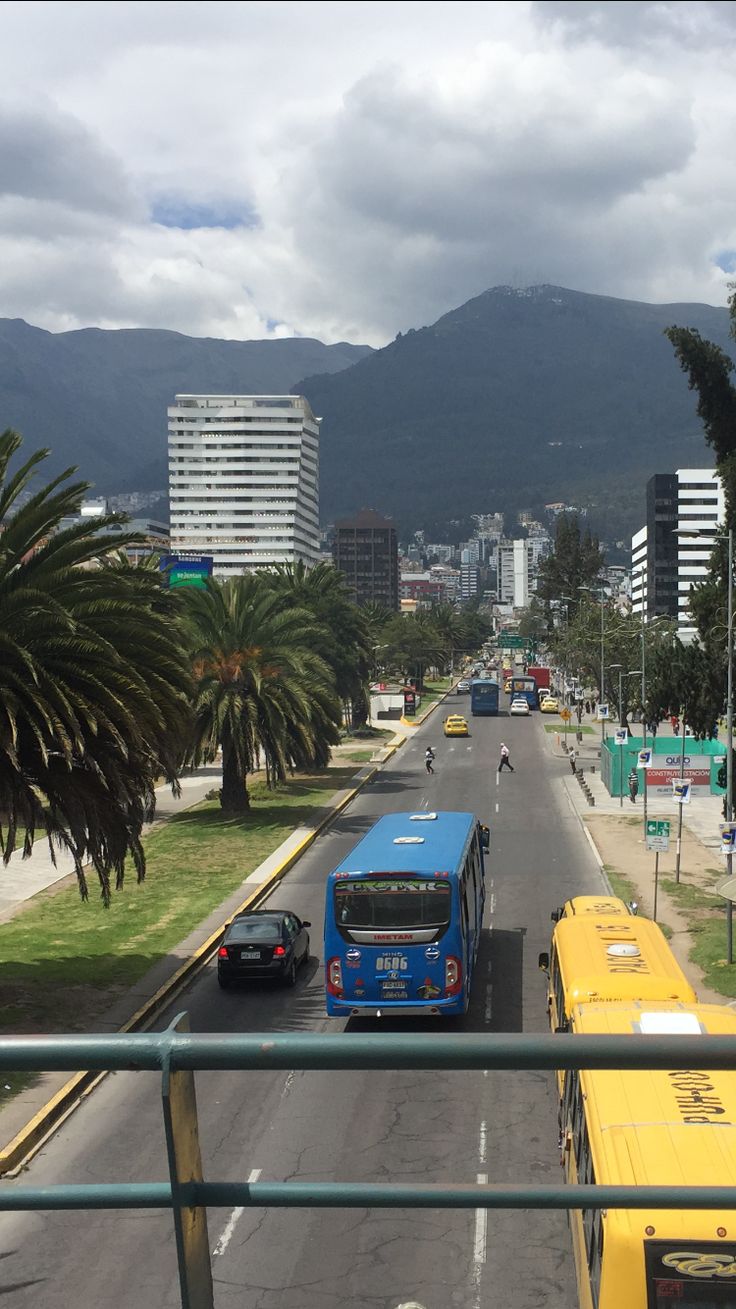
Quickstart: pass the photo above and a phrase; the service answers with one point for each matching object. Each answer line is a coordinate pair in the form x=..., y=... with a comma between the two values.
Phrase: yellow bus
x=603, y=906
x=658, y=1128
x=611, y=957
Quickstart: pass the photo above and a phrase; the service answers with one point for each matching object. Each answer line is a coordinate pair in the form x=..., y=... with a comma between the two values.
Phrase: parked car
x=262, y=943
x=463, y=686
x=456, y=725
x=550, y=705
x=519, y=707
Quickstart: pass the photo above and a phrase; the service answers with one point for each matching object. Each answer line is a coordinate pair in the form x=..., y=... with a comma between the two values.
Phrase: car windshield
x=396, y=903
x=255, y=929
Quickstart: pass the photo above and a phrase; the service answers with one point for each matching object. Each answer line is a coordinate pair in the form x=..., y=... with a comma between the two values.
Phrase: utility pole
x=729, y=744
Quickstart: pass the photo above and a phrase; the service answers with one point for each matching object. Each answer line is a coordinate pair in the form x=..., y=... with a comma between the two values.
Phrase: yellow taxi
x=456, y=725
x=549, y=705
x=507, y=686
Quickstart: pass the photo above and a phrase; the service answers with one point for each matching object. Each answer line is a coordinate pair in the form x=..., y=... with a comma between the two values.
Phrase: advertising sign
x=665, y=769
x=410, y=702
x=644, y=759
x=186, y=570
x=728, y=838
x=602, y=711
x=681, y=790
x=658, y=834
x=622, y=736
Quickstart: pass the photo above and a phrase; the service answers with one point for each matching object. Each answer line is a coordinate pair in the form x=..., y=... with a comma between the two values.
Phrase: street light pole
x=729, y=743
x=643, y=707
x=679, y=817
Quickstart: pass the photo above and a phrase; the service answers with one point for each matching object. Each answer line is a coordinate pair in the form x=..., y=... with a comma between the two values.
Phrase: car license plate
x=250, y=954
x=398, y=987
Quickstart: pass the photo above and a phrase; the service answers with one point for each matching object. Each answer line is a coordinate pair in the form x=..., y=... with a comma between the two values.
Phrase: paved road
x=403, y=1126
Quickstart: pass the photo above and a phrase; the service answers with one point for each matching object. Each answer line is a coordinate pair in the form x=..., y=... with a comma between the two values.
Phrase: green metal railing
x=176, y=1054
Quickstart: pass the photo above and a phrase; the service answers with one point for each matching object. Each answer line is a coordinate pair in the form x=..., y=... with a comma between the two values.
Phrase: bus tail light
x=453, y=976
x=334, y=977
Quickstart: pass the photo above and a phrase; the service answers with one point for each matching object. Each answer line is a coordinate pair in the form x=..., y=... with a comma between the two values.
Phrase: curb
x=591, y=842
x=56, y=1110
x=417, y=722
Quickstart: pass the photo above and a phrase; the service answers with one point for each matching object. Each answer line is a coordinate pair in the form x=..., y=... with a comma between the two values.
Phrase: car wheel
x=223, y=982
x=290, y=974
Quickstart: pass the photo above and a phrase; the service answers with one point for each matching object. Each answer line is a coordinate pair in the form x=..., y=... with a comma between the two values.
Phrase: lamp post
x=600, y=591
x=621, y=675
x=643, y=701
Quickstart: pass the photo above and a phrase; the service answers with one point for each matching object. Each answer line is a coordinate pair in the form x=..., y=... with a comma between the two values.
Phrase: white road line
x=234, y=1218
x=497, y=776
x=497, y=806
x=482, y=1142
x=481, y=1228
x=489, y=1003
x=492, y=903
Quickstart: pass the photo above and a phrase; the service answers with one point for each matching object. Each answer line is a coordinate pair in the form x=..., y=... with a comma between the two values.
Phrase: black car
x=263, y=943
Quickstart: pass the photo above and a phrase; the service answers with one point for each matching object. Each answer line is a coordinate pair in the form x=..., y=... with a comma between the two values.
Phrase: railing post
x=185, y=1165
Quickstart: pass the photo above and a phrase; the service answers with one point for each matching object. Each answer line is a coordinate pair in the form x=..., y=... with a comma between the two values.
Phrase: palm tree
x=94, y=688
x=341, y=634
x=260, y=686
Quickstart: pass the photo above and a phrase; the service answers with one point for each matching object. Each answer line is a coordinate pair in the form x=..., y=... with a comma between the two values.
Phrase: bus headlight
x=334, y=976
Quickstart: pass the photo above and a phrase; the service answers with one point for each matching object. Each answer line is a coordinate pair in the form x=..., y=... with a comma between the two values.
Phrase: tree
x=685, y=679
x=260, y=685
x=413, y=644
x=94, y=687
x=575, y=561
x=578, y=650
x=340, y=634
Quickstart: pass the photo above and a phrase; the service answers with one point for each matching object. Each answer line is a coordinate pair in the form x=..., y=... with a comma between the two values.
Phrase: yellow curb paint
x=58, y=1108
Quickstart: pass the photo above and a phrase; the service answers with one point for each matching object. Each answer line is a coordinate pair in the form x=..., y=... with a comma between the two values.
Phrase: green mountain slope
x=98, y=398
x=516, y=398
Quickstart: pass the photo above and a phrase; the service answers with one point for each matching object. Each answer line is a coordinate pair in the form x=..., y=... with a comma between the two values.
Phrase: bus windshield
x=400, y=903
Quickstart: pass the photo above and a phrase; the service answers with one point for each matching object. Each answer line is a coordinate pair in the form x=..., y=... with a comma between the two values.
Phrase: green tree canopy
x=94, y=683
x=575, y=561
x=261, y=688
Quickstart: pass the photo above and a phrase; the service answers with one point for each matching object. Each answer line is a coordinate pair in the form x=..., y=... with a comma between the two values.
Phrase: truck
x=543, y=678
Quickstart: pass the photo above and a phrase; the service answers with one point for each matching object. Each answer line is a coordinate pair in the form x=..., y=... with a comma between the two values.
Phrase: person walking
x=633, y=785
x=587, y=706
x=505, y=761
x=573, y=756
x=429, y=759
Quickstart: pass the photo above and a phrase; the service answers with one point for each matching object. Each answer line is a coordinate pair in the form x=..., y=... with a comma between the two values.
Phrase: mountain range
x=515, y=399
x=98, y=398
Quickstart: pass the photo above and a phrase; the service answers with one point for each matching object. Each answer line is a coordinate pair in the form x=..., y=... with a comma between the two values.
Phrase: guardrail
x=176, y=1054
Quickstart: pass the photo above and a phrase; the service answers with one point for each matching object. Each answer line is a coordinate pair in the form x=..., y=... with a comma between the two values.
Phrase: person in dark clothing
x=633, y=785
x=505, y=761
x=429, y=759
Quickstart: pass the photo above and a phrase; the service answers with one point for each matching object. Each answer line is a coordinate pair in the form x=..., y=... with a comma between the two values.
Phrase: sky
x=350, y=170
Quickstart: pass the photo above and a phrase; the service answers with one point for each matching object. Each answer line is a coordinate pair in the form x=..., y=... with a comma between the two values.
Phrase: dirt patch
x=682, y=909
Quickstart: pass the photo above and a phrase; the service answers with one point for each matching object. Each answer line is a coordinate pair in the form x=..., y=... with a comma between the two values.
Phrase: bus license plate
x=250, y=954
x=399, y=987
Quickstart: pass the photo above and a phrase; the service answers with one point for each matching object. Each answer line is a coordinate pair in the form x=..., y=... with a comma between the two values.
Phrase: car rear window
x=250, y=929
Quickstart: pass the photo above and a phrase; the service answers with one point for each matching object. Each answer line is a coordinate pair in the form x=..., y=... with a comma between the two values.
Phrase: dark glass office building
x=366, y=550
x=662, y=545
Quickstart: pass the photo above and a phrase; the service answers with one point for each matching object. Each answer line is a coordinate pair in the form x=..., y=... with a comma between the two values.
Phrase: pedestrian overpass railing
x=177, y=1053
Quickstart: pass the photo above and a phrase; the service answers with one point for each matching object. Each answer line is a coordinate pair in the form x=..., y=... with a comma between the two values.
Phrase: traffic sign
x=644, y=758
x=658, y=834
x=514, y=642
x=565, y=715
x=681, y=787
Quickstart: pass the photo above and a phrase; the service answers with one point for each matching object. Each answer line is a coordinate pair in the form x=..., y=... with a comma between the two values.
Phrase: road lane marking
x=497, y=804
x=236, y=1215
x=482, y=1142
x=489, y=1003
x=481, y=1228
x=492, y=903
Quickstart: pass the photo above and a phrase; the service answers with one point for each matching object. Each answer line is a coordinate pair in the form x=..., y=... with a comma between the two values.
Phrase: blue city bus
x=403, y=917
x=524, y=687
x=484, y=696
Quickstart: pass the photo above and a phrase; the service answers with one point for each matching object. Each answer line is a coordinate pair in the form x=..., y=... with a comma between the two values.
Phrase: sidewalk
x=24, y=878
x=701, y=816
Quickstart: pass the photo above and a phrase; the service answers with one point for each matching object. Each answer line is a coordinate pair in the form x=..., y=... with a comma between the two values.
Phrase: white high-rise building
x=701, y=510
x=515, y=572
x=244, y=480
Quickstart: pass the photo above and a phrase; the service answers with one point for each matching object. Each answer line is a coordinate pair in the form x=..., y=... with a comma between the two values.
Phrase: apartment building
x=366, y=550
x=244, y=480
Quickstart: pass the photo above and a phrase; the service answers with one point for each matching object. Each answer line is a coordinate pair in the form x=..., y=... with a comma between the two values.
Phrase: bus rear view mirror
x=485, y=837
x=543, y=964
x=556, y=915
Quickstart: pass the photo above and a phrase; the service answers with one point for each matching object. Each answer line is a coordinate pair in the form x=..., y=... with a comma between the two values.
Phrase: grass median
x=63, y=962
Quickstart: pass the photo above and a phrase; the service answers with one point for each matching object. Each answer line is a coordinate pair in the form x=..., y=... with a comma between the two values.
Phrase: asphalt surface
x=404, y=1126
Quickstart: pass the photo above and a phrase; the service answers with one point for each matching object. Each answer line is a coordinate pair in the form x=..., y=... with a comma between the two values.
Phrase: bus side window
x=557, y=988
x=595, y=1257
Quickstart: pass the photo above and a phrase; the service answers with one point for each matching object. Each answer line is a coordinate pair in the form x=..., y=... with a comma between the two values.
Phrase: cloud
x=263, y=169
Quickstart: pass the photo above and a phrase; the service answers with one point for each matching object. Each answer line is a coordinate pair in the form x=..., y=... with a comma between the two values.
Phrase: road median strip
x=53, y=1113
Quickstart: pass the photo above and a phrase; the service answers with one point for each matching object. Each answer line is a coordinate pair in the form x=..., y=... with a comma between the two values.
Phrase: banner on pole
x=644, y=758
x=681, y=787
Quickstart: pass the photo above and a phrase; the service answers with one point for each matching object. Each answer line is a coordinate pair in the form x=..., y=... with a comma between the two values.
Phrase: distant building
x=155, y=535
x=664, y=563
x=244, y=480
x=421, y=587
x=469, y=576
x=515, y=572
x=366, y=551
